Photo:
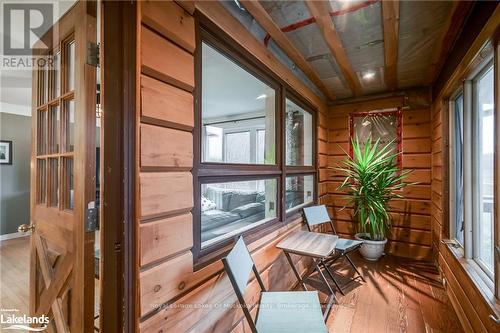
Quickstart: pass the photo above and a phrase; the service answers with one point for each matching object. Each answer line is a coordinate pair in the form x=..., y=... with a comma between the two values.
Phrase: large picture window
x=255, y=164
x=237, y=107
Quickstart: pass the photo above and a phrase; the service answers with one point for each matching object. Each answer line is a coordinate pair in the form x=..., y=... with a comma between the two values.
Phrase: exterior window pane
x=299, y=129
x=233, y=100
x=230, y=208
x=458, y=170
x=261, y=146
x=485, y=170
x=299, y=191
x=237, y=147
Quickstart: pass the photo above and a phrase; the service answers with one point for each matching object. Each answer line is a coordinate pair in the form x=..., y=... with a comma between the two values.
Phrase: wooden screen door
x=63, y=173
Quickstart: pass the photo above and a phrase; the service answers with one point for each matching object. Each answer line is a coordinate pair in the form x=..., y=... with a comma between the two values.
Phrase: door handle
x=25, y=228
x=495, y=319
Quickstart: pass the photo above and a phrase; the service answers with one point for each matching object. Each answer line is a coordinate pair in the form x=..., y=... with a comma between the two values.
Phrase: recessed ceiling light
x=261, y=96
x=368, y=75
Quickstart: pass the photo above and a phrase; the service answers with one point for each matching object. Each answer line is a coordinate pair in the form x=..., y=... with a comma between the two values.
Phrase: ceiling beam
x=320, y=10
x=390, y=19
x=451, y=29
x=264, y=19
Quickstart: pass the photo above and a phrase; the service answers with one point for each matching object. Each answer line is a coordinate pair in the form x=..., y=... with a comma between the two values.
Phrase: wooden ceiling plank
x=451, y=30
x=390, y=19
x=320, y=10
x=265, y=20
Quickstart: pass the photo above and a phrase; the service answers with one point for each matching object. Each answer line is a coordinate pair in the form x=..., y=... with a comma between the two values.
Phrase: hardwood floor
x=399, y=295
x=14, y=274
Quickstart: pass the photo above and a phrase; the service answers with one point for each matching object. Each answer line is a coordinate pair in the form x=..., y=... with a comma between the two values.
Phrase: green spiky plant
x=372, y=179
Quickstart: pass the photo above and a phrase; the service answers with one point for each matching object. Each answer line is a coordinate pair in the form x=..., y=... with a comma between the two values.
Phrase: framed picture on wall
x=5, y=152
x=383, y=125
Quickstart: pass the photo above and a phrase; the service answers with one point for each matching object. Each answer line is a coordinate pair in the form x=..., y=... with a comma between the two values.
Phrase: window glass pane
x=68, y=184
x=486, y=169
x=233, y=100
x=381, y=126
x=43, y=81
x=230, y=208
x=458, y=169
x=237, y=146
x=54, y=128
x=41, y=178
x=56, y=75
x=70, y=125
x=53, y=182
x=70, y=75
x=299, y=190
x=261, y=146
x=299, y=135
x=42, y=132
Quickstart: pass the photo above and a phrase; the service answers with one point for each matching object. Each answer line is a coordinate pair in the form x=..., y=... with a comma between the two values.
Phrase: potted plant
x=372, y=179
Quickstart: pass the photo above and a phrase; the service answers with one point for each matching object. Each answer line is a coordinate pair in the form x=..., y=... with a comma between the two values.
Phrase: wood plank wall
x=411, y=232
x=173, y=297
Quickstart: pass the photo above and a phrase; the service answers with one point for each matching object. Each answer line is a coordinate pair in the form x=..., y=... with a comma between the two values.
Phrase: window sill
x=480, y=280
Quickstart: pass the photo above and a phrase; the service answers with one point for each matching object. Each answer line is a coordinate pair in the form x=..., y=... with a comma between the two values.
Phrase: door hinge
x=93, y=54
x=91, y=217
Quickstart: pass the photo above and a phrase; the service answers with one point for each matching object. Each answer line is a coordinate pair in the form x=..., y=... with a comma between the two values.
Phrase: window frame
x=470, y=168
x=476, y=169
x=213, y=172
x=451, y=165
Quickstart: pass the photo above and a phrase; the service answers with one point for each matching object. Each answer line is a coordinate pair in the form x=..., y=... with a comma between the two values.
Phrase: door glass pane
x=230, y=208
x=234, y=100
x=299, y=190
x=54, y=128
x=459, y=176
x=43, y=81
x=41, y=177
x=237, y=146
x=53, y=182
x=485, y=108
x=56, y=75
x=299, y=135
x=42, y=132
x=68, y=184
x=70, y=125
x=70, y=63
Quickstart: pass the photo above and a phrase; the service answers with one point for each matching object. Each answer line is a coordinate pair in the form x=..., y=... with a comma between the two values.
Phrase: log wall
x=411, y=232
x=173, y=296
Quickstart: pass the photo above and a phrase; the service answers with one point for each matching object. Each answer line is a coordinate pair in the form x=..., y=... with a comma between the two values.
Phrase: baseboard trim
x=14, y=235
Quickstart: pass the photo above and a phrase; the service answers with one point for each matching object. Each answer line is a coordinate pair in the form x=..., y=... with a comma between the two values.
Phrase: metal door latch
x=91, y=217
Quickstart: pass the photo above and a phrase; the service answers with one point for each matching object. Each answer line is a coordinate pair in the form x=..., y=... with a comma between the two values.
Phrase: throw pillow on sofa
x=249, y=209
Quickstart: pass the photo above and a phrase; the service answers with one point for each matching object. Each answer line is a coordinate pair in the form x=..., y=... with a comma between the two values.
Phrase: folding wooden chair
x=278, y=312
x=317, y=215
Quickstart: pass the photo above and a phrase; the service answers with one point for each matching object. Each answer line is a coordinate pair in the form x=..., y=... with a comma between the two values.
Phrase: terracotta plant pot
x=371, y=249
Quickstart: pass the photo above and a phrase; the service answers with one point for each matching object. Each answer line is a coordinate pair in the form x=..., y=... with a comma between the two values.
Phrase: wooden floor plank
x=399, y=295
